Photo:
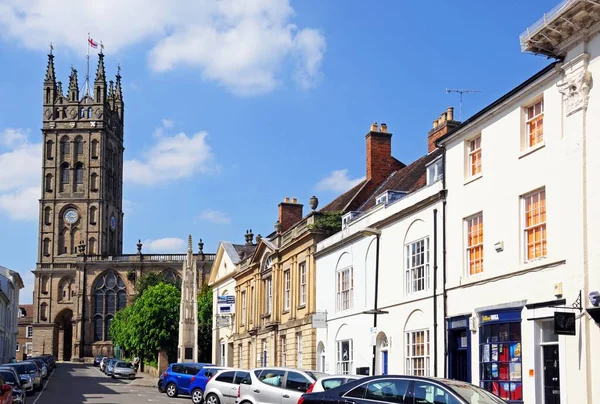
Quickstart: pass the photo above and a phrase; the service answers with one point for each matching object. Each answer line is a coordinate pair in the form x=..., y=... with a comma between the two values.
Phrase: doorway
x=459, y=349
x=384, y=362
x=550, y=358
x=64, y=335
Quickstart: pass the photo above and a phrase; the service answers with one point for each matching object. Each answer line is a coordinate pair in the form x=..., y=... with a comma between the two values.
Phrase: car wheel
x=213, y=399
x=197, y=396
x=171, y=390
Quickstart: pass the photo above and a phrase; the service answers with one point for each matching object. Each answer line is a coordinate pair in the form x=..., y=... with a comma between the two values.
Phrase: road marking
x=43, y=387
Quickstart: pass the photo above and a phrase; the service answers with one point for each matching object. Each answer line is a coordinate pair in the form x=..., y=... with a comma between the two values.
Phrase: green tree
x=121, y=330
x=151, y=279
x=154, y=321
x=205, y=324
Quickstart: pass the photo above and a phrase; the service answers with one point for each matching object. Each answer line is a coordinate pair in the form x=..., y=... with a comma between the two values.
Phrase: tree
x=205, y=324
x=120, y=329
x=151, y=279
x=154, y=321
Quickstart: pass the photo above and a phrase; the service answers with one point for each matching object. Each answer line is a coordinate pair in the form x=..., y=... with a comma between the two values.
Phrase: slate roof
x=408, y=179
x=244, y=251
x=341, y=202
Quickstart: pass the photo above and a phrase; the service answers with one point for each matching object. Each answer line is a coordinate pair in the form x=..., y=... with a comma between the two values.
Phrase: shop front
x=500, y=359
x=459, y=349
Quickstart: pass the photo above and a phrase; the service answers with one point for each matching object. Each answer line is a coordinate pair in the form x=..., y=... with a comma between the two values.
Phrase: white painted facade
x=346, y=344
x=10, y=285
x=565, y=165
x=222, y=284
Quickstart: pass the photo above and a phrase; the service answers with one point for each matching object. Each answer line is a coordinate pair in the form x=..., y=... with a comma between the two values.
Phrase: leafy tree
x=205, y=324
x=151, y=279
x=121, y=330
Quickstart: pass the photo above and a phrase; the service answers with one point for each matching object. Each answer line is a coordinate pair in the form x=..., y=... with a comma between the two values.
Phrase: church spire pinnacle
x=50, y=74
x=73, y=85
x=100, y=72
x=118, y=90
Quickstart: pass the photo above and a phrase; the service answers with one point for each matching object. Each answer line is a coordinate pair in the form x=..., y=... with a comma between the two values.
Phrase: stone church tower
x=82, y=277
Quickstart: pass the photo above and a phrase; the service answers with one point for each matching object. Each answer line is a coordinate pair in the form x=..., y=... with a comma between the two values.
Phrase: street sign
x=226, y=304
x=222, y=321
x=319, y=320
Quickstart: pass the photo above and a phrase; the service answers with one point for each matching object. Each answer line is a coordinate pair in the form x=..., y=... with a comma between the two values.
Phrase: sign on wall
x=319, y=320
x=564, y=323
x=222, y=321
x=225, y=304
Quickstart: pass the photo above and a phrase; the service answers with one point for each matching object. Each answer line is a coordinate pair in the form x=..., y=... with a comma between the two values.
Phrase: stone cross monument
x=188, y=310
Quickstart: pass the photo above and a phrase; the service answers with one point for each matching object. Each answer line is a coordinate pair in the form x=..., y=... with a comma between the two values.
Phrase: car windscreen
x=24, y=368
x=8, y=377
x=124, y=365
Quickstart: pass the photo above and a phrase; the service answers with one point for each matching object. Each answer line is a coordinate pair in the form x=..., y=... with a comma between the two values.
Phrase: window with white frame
x=29, y=331
x=345, y=289
x=243, y=323
x=283, y=352
x=344, y=357
x=302, y=283
x=417, y=266
x=222, y=353
x=435, y=171
x=28, y=347
x=299, y=350
x=268, y=295
x=286, y=290
x=534, y=225
x=474, y=146
x=417, y=353
x=534, y=115
x=474, y=232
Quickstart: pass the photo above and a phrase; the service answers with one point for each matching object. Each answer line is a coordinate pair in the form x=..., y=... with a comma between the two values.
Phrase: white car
x=222, y=387
x=330, y=382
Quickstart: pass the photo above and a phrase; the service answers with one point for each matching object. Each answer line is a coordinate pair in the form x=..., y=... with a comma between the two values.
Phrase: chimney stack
x=249, y=237
x=290, y=213
x=380, y=162
x=441, y=126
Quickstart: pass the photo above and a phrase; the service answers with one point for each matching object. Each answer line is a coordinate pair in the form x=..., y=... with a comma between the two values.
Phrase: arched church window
x=172, y=277
x=47, y=96
x=79, y=173
x=94, y=149
x=44, y=311
x=98, y=94
x=47, y=215
x=64, y=240
x=110, y=296
x=64, y=173
x=78, y=145
x=46, y=247
x=92, y=246
x=65, y=146
x=66, y=289
x=82, y=112
x=93, y=212
x=94, y=182
x=89, y=112
x=45, y=284
x=48, y=182
x=49, y=149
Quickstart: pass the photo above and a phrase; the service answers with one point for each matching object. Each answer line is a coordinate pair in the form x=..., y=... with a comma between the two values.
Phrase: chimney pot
x=286, y=200
x=443, y=117
x=450, y=113
x=383, y=128
x=374, y=127
x=294, y=200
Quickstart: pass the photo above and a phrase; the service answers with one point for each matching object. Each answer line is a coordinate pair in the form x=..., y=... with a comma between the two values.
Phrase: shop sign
x=459, y=323
x=503, y=316
x=564, y=323
x=225, y=304
x=222, y=321
x=319, y=320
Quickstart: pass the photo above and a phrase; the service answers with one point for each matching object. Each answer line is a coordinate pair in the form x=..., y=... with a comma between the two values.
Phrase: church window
x=78, y=145
x=89, y=112
x=48, y=182
x=44, y=311
x=45, y=284
x=92, y=246
x=110, y=296
x=49, y=149
x=94, y=182
x=93, y=213
x=64, y=174
x=65, y=146
x=47, y=215
x=46, y=247
x=64, y=240
x=94, y=149
x=97, y=93
x=75, y=239
x=82, y=112
x=47, y=96
x=67, y=289
x=79, y=173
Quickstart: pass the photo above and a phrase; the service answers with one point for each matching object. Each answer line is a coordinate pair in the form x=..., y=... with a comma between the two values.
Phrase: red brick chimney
x=380, y=163
x=290, y=213
x=444, y=124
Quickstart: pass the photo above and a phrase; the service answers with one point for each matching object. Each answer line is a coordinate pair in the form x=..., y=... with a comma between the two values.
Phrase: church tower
x=82, y=167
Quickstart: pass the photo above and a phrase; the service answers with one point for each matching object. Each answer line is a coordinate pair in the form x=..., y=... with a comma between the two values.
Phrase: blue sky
x=246, y=104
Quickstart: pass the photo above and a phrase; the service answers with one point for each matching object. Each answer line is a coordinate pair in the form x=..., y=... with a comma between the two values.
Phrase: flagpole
x=87, y=72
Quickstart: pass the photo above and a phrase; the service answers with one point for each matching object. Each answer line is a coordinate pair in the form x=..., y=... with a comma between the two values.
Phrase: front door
x=551, y=374
x=384, y=362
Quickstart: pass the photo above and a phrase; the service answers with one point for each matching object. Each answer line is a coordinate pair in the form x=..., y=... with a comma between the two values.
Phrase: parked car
x=223, y=387
x=5, y=392
x=276, y=385
x=198, y=382
x=110, y=366
x=41, y=366
x=331, y=382
x=177, y=378
x=47, y=360
x=97, y=360
x=103, y=363
x=403, y=389
x=30, y=369
x=123, y=369
x=12, y=378
x=25, y=380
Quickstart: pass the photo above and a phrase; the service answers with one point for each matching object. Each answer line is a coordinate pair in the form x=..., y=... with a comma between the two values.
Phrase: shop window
x=500, y=355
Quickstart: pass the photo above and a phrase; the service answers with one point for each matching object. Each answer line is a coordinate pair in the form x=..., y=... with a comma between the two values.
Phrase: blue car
x=198, y=382
x=178, y=376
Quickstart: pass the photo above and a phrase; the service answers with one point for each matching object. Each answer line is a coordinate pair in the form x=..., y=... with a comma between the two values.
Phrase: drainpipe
x=444, y=194
x=435, y=314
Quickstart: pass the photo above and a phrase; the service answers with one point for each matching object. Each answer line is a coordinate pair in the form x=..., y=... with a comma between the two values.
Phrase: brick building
x=25, y=333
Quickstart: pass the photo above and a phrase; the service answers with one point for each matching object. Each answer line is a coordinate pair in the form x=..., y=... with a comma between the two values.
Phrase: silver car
x=330, y=382
x=223, y=387
x=123, y=369
x=24, y=379
x=30, y=369
x=276, y=385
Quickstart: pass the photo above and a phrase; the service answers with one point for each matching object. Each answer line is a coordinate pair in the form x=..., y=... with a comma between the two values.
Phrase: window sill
x=268, y=315
x=286, y=311
x=473, y=178
x=301, y=306
x=531, y=150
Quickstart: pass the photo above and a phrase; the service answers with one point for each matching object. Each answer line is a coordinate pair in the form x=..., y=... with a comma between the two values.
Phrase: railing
x=543, y=21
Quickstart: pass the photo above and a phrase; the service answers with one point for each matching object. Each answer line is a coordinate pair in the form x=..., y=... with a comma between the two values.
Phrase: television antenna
x=461, y=92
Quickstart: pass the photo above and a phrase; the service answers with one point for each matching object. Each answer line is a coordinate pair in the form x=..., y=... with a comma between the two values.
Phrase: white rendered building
x=10, y=285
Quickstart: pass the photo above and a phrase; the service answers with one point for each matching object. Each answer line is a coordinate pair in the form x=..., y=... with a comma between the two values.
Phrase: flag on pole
x=92, y=43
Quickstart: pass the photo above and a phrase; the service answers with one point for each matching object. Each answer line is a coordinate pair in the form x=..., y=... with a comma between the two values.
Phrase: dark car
x=402, y=390
x=97, y=360
x=48, y=360
x=11, y=379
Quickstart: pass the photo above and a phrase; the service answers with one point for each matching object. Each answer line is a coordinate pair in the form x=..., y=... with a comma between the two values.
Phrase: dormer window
x=381, y=199
x=435, y=171
x=348, y=217
x=389, y=196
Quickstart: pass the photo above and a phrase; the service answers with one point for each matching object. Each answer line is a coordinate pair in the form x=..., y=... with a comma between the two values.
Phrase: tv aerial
x=461, y=92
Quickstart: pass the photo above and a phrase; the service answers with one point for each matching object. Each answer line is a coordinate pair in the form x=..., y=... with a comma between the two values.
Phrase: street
x=77, y=383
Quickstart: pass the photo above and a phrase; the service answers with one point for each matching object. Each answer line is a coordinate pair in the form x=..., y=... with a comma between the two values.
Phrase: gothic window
x=45, y=284
x=47, y=215
x=94, y=149
x=66, y=289
x=89, y=112
x=92, y=246
x=64, y=240
x=48, y=183
x=82, y=112
x=109, y=297
x=93, y=213
x=172, y=277
x=44, y=311
x=49, y=149
x=47, y=96
x=64, y=173
x=46, y=247
x=75, y=239
x=78, y=145
x=94, y=182
x=79, y=173
x=65, y=146
x=97, y=93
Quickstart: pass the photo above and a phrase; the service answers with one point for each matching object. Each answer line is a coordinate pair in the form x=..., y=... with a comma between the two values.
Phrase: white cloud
x=338, y=181
x=164, y=245
x=215, y=216
x=19, y=175
x=172, y=157
x=242, y=45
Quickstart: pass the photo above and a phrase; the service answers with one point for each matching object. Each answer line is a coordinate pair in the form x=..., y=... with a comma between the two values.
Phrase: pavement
x=75, y=383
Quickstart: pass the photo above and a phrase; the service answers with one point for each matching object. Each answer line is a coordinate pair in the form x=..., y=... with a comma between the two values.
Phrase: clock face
x=113, y=222
x=71, y=216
